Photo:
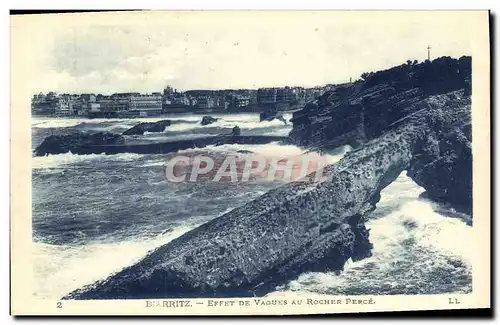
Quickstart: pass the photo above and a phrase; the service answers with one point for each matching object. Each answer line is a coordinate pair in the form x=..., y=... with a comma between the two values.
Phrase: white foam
x=437, y=232
x=179, y=127
x=411, y=240
x=64, y=159
x=283, y=132
x=56, y=123
x=244, y=121
x=270, y=149
x=273, y=150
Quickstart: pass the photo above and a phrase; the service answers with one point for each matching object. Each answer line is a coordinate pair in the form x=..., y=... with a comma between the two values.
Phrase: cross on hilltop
x=428, y=52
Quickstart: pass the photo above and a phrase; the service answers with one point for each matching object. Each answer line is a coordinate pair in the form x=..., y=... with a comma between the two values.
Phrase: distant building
x=286, y=94
x=146, y=104
x=88, y=98
x=42, y=104
x=94, y=108
x=205, y=102
x=63, y=106
x=121, y=102
x=242, y=101
x=267, y=96
x=193, y=101
x=106, y=104
x=79, y=107
x=277, y=98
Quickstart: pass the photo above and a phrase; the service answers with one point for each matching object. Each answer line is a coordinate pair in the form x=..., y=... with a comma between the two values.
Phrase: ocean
x=93, y=214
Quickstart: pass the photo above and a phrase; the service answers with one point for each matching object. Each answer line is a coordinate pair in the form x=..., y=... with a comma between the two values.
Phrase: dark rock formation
x=78, y=143
x=356, y=113
x=143, y=127
x=298, y=227
x=271, y=115
x=443, y=165
x=244, y=151
x=208, y=120
x=109, y=143
x=236, y=131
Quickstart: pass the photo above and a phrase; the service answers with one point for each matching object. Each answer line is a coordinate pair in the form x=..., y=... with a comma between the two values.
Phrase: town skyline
x=170, y=100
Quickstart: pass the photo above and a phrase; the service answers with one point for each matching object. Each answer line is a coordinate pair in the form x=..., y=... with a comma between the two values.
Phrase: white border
x=186, y=4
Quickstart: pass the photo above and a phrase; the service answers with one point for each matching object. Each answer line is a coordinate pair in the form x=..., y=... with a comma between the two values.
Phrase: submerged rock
x=443, y=165
x=78, y=143
x=208, y=120
x=143, y=127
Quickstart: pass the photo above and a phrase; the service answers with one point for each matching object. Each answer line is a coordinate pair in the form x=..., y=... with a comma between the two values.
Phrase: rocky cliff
x=77, y=143
x=304, y=225
x=358, y=112
x=110, y=143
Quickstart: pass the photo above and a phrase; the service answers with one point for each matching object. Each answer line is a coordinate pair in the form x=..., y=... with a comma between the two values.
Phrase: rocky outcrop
x=206, y=120
x=443, y=165
x=78, y=143
x=143, y=127
x=110, y=144
x=358, y=112
x=301, y=226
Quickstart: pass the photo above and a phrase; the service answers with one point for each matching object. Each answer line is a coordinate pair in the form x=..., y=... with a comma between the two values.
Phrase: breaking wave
x=415, y=251
x=58, y=268
x=65, y=159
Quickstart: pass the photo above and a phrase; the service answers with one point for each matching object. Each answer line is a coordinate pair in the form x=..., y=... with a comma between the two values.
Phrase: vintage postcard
x=250, y=162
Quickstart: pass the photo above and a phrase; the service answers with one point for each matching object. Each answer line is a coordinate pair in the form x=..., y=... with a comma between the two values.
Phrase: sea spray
x=413, y=245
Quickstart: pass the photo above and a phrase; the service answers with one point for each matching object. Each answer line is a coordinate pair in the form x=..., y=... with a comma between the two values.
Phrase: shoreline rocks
x=77, y=143
x=364, y=110
x=109, y=143
x=143, y=127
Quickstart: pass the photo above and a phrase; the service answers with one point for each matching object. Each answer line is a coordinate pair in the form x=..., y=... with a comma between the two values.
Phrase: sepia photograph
x=249, y=162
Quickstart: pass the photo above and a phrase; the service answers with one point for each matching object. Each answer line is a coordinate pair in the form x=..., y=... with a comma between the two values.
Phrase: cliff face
x=364, y=110
x=360, y=111
x=298, y=227
x=443, y=163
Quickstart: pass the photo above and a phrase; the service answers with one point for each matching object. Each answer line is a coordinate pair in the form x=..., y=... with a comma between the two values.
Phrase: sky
x=144, y=52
